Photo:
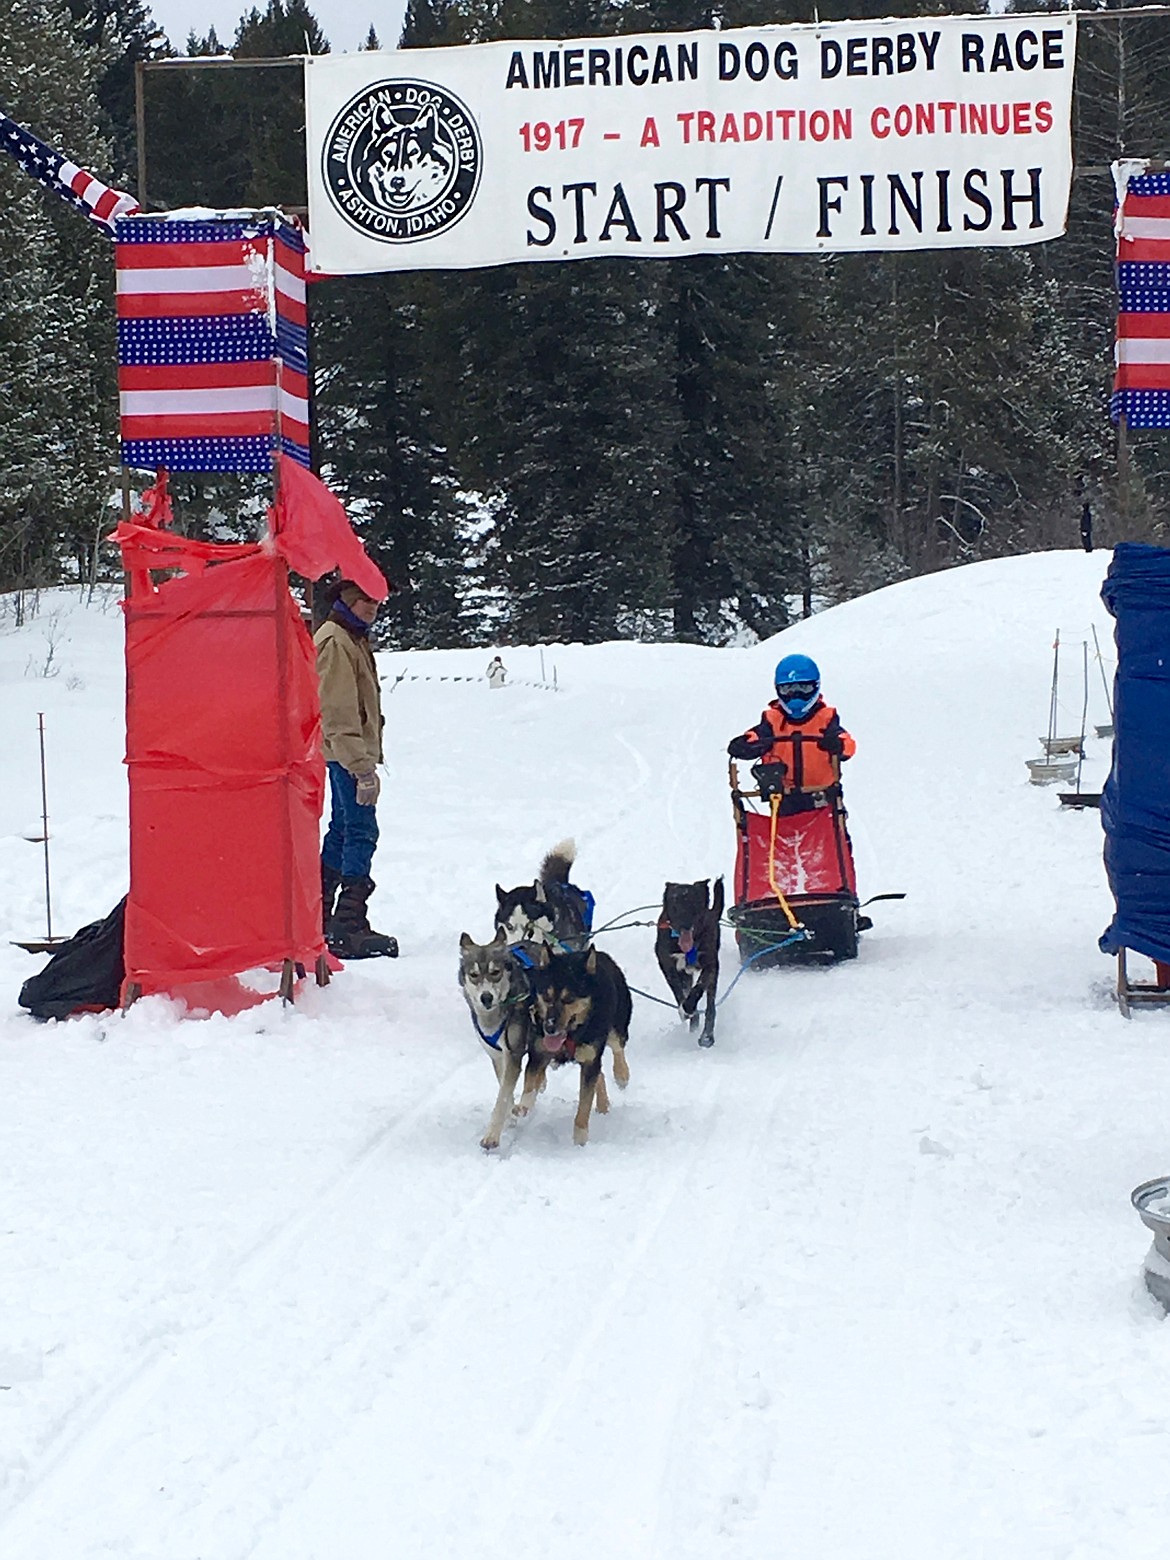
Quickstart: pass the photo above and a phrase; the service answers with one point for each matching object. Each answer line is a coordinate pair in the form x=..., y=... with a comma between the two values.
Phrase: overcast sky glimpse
x=344, y=22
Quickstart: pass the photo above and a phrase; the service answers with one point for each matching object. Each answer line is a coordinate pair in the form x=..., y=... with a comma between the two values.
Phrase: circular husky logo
x=402, y=160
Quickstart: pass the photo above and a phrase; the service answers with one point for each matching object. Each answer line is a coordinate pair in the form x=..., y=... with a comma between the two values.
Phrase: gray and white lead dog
x=498, y=990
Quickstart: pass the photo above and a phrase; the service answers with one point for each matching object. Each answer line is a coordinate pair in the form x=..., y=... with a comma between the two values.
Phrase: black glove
x=753, y=744
x=831, y=742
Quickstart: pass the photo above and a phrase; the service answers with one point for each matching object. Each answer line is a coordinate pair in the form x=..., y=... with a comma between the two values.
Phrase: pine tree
x=121, y=33
x=382, y=449
x=57, y=449
x=230, y=138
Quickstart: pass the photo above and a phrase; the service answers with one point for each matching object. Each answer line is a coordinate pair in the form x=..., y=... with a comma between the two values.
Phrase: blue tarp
x=1135, y=805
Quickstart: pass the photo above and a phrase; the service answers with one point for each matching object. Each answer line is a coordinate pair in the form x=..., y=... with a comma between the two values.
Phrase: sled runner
x=794, y=880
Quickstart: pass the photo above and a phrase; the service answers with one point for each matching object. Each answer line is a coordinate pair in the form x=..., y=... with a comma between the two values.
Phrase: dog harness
x=692, y=953
x=492, y=1040
x=579, y=898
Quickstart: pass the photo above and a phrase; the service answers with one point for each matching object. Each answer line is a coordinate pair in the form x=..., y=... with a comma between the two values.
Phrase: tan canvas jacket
x=351, y=701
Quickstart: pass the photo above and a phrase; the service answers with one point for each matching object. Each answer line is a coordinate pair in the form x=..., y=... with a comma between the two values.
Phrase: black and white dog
x=552, y=910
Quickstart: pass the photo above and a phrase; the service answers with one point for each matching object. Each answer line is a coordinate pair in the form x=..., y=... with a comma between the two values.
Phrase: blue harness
x=492, y=1040
x=563, y=891
x=692, y=954
x=570, y=893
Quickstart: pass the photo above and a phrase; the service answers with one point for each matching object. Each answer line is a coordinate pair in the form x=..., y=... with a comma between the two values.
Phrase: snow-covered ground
x=860, y=1283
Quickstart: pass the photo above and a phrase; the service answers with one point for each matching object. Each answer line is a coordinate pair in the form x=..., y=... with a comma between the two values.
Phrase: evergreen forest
x=701, y=449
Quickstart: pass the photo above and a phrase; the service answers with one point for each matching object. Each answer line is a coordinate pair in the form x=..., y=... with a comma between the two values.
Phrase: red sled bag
x=795, y=888
x=811, y=855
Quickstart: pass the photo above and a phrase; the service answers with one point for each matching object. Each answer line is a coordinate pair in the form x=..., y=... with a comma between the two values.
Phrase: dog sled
x=795, y=889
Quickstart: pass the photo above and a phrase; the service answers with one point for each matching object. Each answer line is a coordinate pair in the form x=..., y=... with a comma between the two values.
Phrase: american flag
x=212, y=342
x=96, y=200
x=1141, y=386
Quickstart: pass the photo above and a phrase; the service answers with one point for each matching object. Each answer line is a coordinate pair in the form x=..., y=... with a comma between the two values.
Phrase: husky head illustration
x=411, y=162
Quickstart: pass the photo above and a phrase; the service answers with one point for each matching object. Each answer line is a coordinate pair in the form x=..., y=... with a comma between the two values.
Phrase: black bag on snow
x=85, y=972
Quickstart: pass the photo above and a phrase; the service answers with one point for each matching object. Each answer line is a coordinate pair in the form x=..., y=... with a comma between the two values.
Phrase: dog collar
x=492, y=1040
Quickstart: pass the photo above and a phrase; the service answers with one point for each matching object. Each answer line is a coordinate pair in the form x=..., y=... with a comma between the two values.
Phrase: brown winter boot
x=350, y=935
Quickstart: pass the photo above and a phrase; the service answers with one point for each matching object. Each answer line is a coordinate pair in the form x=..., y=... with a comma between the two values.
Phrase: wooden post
x=281, y=591
x=140, y=127
x=288, y=981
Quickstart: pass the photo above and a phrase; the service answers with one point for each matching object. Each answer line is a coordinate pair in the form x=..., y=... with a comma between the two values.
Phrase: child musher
x=802, y=734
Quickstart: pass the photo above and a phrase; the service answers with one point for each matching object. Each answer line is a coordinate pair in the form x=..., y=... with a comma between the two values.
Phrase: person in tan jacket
x=351, y=726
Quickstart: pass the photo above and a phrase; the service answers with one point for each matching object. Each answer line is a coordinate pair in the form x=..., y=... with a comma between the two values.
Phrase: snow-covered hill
x=861, y=1283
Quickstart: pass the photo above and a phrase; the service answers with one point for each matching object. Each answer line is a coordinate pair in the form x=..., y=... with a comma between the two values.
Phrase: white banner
x=923, y=133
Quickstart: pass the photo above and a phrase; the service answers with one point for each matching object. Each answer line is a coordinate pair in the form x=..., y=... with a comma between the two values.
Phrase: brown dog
x=687, y=949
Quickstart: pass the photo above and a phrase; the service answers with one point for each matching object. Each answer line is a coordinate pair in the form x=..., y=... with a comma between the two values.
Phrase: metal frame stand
x=1142, y=993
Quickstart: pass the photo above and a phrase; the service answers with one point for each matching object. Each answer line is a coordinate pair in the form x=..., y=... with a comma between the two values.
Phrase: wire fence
x=512, y=682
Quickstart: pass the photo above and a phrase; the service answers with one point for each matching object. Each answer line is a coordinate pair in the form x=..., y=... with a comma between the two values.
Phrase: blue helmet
x=798, y=685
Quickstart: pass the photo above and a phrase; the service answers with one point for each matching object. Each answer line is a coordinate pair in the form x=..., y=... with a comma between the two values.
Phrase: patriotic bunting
x=1141, y=386
x=212, y=342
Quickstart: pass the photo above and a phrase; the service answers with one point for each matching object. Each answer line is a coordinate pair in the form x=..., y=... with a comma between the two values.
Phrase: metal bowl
x=1151, y=1192
x=1046, y=771
x=1157, y=1264
x=1055, y=746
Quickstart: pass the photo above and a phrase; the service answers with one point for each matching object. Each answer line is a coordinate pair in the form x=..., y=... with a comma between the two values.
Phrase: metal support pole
x=45, y=831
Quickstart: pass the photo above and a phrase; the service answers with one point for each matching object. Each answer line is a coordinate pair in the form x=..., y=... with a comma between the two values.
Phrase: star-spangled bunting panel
x=1141, y=386
x=212, y=342
x=96, y=200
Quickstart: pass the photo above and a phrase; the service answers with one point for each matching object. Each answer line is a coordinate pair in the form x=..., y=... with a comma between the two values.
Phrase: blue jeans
x=353, y=831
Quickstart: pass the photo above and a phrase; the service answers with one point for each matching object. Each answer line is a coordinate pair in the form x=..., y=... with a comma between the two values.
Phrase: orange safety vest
x=810, y=768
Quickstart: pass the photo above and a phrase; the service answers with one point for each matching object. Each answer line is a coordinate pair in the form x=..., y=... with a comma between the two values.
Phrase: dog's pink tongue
x=554, y=1043
x=686, y=941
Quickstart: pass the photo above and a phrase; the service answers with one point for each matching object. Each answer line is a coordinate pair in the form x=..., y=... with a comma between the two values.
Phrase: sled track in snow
x=384, y=1331
x=113, y=1404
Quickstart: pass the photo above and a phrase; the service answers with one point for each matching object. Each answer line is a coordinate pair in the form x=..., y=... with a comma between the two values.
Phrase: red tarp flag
x=312, y=532
x=223, y=745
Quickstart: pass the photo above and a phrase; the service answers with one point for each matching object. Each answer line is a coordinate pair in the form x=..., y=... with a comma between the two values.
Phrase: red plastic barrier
x=812, y=856
x=223, y=745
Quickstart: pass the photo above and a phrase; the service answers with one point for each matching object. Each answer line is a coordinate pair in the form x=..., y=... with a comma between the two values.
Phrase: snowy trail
x=860, y=1283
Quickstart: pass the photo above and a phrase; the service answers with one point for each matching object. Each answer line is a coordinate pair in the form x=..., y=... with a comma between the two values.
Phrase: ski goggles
x=802, y=690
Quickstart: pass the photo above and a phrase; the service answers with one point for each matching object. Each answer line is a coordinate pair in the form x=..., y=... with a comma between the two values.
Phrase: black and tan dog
x=581, y=1005
x=687, y=949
